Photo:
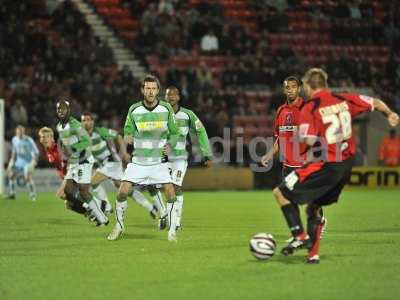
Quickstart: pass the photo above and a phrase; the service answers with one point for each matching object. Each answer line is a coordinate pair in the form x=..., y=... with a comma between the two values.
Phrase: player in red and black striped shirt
x=326, y=128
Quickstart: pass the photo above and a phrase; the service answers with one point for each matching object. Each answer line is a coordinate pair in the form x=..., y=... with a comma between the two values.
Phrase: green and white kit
x=105, y=153
x=75, y=143
x=187, y=122
x=150, y=128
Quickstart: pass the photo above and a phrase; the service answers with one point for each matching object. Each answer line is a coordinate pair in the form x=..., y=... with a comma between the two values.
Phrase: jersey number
x=339, y=128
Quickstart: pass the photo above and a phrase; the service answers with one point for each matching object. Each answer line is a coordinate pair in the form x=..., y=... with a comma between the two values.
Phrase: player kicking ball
x=187, y=122
x=23, y=161
x=325, y=128
x=149, y=123
x=286, y=129
x=75, y=143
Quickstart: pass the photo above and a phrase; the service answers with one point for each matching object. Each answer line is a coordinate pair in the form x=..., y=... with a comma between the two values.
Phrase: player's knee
x=124, y=190
x=276, y=192
x=169, y=190
x=313, y=210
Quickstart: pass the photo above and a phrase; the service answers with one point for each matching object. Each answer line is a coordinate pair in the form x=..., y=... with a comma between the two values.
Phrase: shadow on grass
x=133, y=236
x=287, y=260
x=61, y=222
x=143, y=226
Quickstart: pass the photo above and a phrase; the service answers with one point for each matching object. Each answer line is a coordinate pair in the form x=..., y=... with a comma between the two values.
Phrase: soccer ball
x=262, y=246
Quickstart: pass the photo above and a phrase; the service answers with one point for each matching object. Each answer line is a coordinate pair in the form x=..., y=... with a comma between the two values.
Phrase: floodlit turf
x=49, y=253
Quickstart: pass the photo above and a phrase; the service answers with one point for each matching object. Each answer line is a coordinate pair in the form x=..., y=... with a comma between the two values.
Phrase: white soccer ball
x=262, y=246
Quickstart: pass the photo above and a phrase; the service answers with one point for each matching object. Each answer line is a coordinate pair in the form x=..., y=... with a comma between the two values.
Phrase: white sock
x=97, y=200
x=179, y=206
x=172, y=216
x=95, y=210
x=100, y=193
x=11, y=186
x=32, y=188
x=120, y=208
x=141, y=199
x=159, y=203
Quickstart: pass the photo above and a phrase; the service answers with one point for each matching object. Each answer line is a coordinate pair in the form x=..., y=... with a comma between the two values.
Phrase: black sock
x=292, y=216
x=75, y=204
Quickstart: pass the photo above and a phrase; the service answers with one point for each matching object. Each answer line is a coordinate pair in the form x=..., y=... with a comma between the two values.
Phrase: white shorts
x=80, y=173
x=178, y=171
x=111, y=169
x=146, y=175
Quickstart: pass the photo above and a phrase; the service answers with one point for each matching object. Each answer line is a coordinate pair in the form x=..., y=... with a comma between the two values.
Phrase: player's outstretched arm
x=392, y=117
x=199, y=130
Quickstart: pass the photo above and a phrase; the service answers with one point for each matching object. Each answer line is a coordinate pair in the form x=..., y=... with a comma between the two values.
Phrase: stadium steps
x=122, y=55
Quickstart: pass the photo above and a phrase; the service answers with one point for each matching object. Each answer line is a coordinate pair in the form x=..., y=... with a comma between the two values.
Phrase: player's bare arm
x=270, y=154
x=122, y=148
x=392, y=117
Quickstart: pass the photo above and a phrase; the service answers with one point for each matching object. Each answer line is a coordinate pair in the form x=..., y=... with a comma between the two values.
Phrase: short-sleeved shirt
x=286, y=128
x=328, y=116
x=25, y=148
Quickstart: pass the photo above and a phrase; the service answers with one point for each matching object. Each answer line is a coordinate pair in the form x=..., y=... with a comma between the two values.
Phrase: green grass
x=49, y=253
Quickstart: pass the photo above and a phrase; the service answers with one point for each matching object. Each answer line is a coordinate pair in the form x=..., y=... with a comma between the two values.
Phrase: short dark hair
x=89, y=114
x=292, y=78
x=316, y=78
x=151, y=78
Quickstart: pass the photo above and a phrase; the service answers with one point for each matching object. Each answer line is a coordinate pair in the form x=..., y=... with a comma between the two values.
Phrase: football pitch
x=47, y=252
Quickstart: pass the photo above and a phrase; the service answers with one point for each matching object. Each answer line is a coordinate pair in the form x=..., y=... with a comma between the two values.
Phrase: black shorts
x=286, y=171
x=318, y=183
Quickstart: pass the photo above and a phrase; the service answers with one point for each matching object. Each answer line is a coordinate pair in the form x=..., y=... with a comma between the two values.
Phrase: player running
x=75, y=143
x=54, y=156
x=149, y=123
x=104, y=150
x=24, y=157
x=325, y=127
x=187, y=122
x=286, y=130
